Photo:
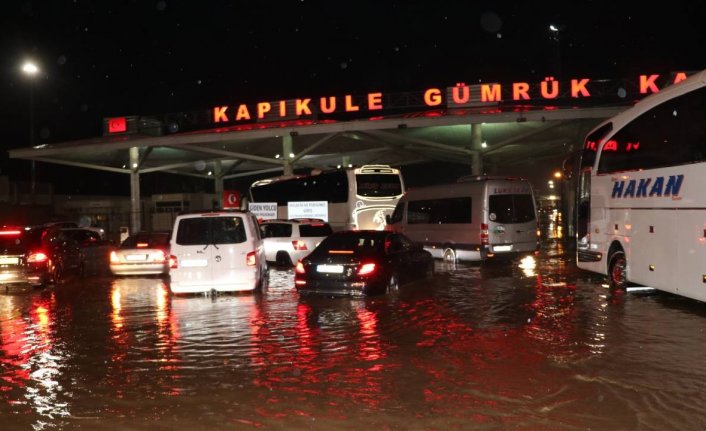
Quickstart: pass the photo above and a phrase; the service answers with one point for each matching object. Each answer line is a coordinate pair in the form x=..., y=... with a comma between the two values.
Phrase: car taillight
x=484, y=234
x=37, y=257
x=299, y=245
x=9, y=232
x=173, y=262
x=366, y=269
x=299, y=269
x=159, y=256
x=142, y=245
x=114, y=257
x=251, y=259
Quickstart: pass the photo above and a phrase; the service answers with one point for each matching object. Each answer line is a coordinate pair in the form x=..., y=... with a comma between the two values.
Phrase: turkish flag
x=231, y=199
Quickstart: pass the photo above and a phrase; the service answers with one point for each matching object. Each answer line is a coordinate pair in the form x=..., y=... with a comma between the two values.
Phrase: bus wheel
x=617, y=271
x=449, y=255
x=393, y=285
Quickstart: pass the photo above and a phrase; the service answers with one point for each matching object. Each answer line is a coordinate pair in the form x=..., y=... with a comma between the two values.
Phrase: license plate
x=136, y=257
x=502, y=248
x=330, y=269
x=9, y=260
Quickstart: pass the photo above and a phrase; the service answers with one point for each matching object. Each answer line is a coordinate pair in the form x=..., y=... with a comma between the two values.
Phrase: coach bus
x=641, y=193
x=356, y=197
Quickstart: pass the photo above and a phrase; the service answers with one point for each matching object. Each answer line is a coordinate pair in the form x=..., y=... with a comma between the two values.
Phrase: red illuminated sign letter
x=219, y=114
x=303, y=107
x=648, y=83
x=432, y=97
x=374, y=101
x=490, y=93
x=520, y=90
x=243, y=113
x=350, y=107
x=262, y=109
x=578, y=87
x=328, y=105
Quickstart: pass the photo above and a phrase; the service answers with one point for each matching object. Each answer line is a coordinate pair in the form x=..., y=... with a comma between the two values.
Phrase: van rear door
x=512, y=222
x=193, y=250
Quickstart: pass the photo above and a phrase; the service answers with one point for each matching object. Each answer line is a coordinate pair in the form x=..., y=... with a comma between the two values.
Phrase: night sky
x=112, y=58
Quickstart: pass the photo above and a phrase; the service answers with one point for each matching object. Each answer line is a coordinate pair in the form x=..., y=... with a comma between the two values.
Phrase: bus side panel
x=691, y=257
x=651, y=238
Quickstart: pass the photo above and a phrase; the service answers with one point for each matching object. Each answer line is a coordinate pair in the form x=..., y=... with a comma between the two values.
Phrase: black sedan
x=366, y=262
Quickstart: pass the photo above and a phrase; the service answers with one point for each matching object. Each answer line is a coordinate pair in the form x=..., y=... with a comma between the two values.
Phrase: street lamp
x=556, y=37
x=31, y=70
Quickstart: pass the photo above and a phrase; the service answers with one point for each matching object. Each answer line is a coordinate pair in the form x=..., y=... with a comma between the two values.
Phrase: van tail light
x=366, y=269
x=299, y=269
x=484, y=234
x=37, y=257
x=299, y=245
x=173, y=262
x=251, y=259
x=114, y=257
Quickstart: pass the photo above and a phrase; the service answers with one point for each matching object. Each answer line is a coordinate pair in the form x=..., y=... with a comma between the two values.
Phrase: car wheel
x=429, y=272
x=617, y=276
x=283, y=259
x=449, y=255
x=393, y=285
x=57, y=274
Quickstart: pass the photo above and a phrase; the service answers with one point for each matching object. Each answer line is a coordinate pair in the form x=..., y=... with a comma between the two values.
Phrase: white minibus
x=474, y=219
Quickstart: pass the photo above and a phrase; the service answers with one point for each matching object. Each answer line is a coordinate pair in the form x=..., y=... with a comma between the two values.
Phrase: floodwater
x=490, y=347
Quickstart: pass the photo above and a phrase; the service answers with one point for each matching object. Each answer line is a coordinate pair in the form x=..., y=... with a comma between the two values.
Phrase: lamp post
x=555, y=36
x=30, y=69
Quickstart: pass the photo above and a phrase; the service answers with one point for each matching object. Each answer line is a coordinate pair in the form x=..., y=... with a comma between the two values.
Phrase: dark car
x=143, y=253
x=34, y=256
x=366, y=262
x=94, y=248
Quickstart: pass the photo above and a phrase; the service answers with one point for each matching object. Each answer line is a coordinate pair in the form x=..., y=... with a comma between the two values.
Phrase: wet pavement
x=488, y=347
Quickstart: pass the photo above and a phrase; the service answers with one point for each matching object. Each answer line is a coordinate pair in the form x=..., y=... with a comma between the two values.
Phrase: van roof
x=213, y=212
x=467, y=178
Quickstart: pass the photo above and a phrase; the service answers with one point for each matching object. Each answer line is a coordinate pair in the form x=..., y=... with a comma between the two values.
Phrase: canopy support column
x=476, y=146
x=218, y=181
x=287, y=151
x=135, y=208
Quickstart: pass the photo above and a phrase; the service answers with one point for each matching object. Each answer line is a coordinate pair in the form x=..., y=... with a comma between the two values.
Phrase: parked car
x=366, y=262
x=95, y=249
x=33, y=256
x=143, y=253
x=216, y=251
x=288, y=241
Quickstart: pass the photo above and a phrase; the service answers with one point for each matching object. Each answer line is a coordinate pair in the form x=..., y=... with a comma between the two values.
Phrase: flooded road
x=479, y=347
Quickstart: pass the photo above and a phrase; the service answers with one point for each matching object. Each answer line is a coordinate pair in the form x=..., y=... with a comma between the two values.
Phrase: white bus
x=358, y=198
x=641, y=193
x=473, y=219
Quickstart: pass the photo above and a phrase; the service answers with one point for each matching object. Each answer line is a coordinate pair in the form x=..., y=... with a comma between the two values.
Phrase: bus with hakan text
x=356, y=197
x=640, y=197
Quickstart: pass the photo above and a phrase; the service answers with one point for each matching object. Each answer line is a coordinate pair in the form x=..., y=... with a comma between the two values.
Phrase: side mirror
x=388, y=219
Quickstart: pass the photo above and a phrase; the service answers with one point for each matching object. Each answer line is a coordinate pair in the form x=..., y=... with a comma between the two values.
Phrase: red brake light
x=366, y=269
x=37, y=257
x=484, y=234
x=251, y=259
x=299, y=269
x=9, y=232
x=173, y=262
x=299, y=245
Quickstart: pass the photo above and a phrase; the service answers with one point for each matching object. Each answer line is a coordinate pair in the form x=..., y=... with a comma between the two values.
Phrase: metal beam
x=83, y=165
x=226, y=153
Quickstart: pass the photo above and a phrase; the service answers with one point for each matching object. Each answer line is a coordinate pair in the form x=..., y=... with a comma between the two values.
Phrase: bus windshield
x=378, y=185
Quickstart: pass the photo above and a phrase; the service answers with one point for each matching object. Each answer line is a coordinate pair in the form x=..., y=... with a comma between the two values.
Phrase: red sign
x=117, y=125
x=231, y=199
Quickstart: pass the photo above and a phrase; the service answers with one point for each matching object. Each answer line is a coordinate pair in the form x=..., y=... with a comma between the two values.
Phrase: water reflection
x=32, y=359
x=497, y=346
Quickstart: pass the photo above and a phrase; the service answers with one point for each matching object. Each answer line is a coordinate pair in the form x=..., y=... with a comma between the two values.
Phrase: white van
x=474, y=219
x=219, y=251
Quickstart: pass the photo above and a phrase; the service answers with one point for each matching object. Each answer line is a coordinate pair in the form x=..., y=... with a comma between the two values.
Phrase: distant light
x=338, y=166
x=29, y=68
x=484, y=144
x=209, y=173
x=552, y=27
x=557, y=174
x=350, y=165
x=134, y=165
x=291, y=155
x=276, y=156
